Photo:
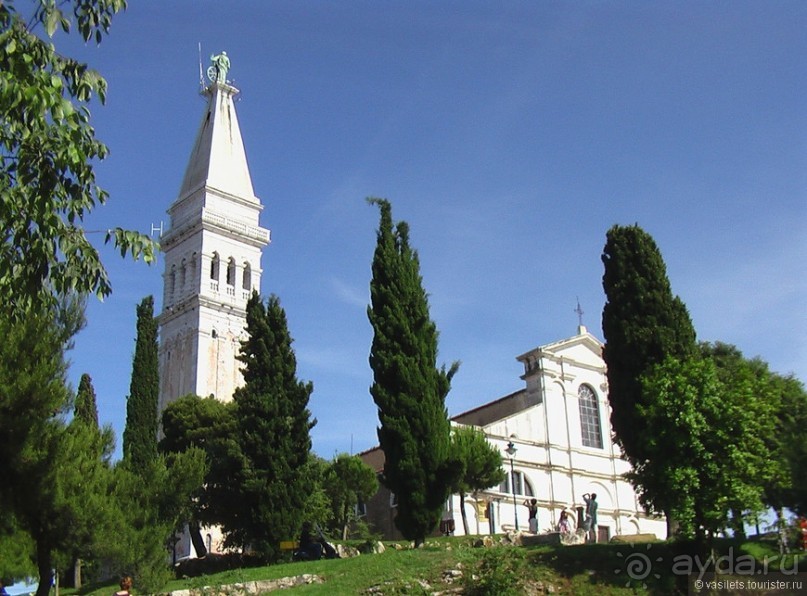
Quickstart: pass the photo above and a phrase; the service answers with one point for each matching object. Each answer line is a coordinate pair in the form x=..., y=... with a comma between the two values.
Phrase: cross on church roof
x=579, y=311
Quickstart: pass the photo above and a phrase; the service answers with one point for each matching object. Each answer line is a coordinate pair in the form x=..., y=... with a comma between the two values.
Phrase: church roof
x=494, y=410
x=218, y=159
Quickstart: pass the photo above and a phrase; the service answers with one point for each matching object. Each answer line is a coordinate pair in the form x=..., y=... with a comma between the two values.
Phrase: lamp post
x=511, y=452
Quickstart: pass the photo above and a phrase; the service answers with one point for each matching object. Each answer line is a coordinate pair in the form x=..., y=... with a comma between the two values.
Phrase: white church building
x=555, y=439
x=558, y=424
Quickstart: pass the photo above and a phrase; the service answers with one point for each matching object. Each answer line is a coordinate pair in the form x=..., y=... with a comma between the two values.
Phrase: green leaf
x=53, y=17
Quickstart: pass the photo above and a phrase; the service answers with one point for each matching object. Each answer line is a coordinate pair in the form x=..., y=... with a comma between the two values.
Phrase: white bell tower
x=212, y=252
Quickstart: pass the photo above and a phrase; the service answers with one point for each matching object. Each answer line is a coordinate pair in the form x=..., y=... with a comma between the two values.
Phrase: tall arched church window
x=231, y=271
x=518, y=481
x=214, y=267
x=246, y=281
x=590, y=427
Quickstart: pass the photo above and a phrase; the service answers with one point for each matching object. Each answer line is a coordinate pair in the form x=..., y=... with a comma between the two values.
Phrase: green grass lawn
x=656, y=568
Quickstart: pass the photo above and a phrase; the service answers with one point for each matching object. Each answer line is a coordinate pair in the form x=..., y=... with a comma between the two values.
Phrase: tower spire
x=213, y=249
x=218, y=159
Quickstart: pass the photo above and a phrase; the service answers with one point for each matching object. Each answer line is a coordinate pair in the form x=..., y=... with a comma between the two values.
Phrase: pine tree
x=86, y=408
x=274, y=426
x=55, y=474
x=643, y=323
x=209, y=424
x=140, y=434
x=347, y=482
x=408, y=388
x=480, y=462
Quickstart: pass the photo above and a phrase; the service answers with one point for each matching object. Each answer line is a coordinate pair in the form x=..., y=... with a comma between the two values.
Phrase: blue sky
x=510, y=135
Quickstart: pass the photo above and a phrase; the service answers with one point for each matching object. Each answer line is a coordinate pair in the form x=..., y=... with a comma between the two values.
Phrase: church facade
x=212, y=252
x=554, y=435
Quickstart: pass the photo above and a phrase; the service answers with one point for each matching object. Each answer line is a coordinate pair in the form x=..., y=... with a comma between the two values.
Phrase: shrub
x=499, y=572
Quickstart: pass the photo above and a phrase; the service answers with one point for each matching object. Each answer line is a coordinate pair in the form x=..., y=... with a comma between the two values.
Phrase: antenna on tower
x=157, y=229
x=201, y=72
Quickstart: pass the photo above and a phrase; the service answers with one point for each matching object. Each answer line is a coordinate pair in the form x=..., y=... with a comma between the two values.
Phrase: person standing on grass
x=591, y=515
x=532, y=507
x=563, y=523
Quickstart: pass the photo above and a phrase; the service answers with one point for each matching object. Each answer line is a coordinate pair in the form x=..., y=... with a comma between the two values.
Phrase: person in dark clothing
x=532, y=508
x=310, y=549
x=591, y=516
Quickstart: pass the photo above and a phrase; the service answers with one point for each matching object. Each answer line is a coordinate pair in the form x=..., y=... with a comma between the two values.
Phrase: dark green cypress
x=642, y=322
x=140, y=434
x=408, y=388
x=86, y=408
x=274, y=426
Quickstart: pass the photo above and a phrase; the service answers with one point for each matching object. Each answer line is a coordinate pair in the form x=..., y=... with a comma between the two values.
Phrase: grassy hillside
x=453, y=565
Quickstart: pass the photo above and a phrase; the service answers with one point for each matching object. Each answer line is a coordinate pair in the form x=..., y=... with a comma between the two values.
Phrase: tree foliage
x=707, y=453
x=86, y=407
x=274, y=426
x=48, y=152
x=210, y=425
x=152, y=504
x=140, y=434
x=408, y=388
x=54, y=473
x=790, y=447
x=33, y=376
x=643, y=324
x=781, y=402
x=348, y=481
x=16, y=547
x=480, y=463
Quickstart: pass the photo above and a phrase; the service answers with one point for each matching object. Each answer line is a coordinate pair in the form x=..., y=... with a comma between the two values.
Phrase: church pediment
x=583, y=350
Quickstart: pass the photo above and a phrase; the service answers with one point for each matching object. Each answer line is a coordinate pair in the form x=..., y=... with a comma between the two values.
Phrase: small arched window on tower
x=590, y=427
x=231, y=277
x=231, y=271
x=172, y=284
x=182, y=276
x=246, y=279
x=194, y=263
x=214, y=272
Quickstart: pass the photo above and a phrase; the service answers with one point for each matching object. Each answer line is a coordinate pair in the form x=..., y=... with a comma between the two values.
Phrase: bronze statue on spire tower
x=217, y=72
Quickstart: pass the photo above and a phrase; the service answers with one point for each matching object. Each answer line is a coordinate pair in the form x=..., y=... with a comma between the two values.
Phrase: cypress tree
x=140, y=434
x=408, y=388
x=86, y=408
x=643, y=323
x=274, y=426
x=85, y=414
